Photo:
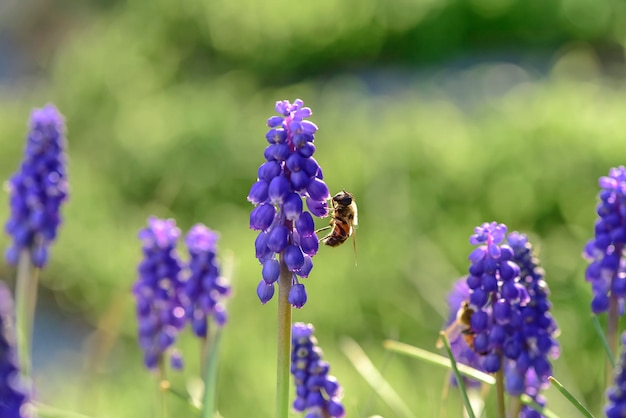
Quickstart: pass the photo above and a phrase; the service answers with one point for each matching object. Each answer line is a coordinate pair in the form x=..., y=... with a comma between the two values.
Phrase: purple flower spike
x=289, y=176
x=205, y=288
x=158, y=290
x=605, y=252
x=14, y=394
x=39, y=188
x=495, y=297
x=318, y=394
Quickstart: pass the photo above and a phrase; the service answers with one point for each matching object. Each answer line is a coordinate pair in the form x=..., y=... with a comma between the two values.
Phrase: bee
x=462, y=326
x=343, y=222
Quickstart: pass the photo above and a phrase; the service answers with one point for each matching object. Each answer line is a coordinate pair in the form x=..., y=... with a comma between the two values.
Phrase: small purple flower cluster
x=317, y=393
x=14, y=395
x=170, y=293
x=205, y=288
x=495, y=296
x=539, y=328
x=290, y=173
x=38, y=189
x=159, y=290
x=605, y=252
x=616, y=394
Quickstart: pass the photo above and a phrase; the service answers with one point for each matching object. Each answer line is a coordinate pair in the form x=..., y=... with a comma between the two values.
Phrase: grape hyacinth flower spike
x=605, y=252
x=14, y=394
x=317, y=393
x=38, y=189
x=616, y=405
x=289, y=175
x=159, y=291
x=205, y=287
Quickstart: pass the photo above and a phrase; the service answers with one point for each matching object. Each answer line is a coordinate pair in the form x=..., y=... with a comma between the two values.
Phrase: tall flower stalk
x=287, y=240
x=605, y=253
x=37, y=191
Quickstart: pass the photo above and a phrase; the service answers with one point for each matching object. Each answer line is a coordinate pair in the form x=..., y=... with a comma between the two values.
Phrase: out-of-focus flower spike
x=39, y=188
x=158, y=290
x=205, y=288
x=318, y=394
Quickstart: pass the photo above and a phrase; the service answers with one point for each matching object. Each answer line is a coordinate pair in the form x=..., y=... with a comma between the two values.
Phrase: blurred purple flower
x=158, y=290
x=39, y=188
x=14, y=394
x=204, y=287
x=317, y=393
x=616, y=394
x=289, y=175
x=605, y=252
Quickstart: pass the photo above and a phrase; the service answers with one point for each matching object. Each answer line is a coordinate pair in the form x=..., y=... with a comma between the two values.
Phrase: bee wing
x=453, y=332
x=354, y=245
x=355, y=220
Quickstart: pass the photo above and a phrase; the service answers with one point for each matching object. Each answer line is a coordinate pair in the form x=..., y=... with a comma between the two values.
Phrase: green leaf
x=438, y=360
x=457, y=374
x=372, y=376
x=570, y=397
x=605, y=343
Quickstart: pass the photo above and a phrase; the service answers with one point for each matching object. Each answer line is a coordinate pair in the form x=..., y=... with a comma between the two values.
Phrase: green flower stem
x=25, y=300
x=515, y=406
x=612, y=326
x=500, y=391
x=284, y=341
x=163, y=387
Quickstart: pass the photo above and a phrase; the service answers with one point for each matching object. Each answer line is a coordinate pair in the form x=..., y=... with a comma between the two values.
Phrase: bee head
x=343, y=198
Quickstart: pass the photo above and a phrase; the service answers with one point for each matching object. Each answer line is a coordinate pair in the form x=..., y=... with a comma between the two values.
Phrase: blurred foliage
x=166, y=104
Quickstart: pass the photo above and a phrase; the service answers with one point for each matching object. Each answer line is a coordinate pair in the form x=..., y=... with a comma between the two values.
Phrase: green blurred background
x=437, y=115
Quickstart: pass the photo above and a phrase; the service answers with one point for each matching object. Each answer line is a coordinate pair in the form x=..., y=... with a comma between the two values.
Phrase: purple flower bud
x=258, y=192
x=305, y=225
x=292, y=206
x=317, y=190
x=309, y=244
x=306, y=267
x=300, y=180
x=278, y=189
x=260, y=245
x=265, y=291
x=294, y=258
x=317, y=208
x=278, y=238
x=269, y=170
x=262, y=216
x=297, y=295
x=271, y=270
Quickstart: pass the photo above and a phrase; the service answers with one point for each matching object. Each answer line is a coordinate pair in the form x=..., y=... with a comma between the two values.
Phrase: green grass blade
x=605, y=343
x=438, y=360
x=459, y=377
x=372, y=376
x=530, y=402
x=570, y=397
x=47, y=411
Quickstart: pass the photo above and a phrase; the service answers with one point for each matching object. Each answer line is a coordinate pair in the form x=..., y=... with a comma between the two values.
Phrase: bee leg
x=322, y=229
